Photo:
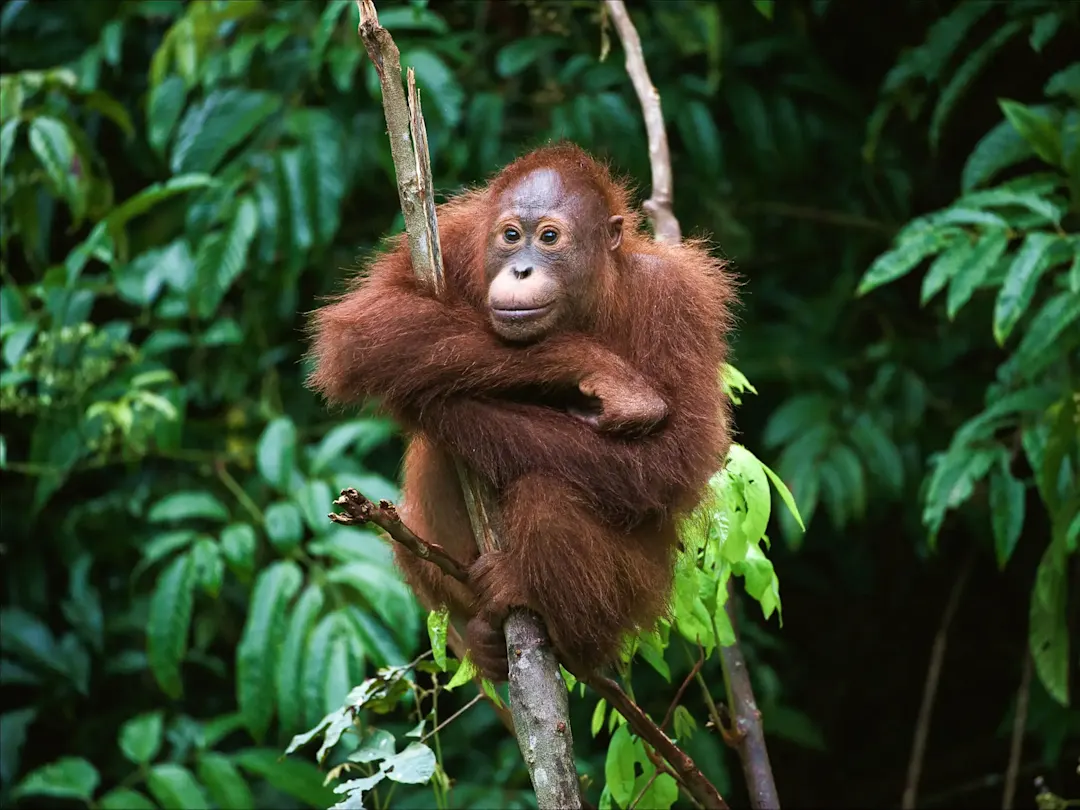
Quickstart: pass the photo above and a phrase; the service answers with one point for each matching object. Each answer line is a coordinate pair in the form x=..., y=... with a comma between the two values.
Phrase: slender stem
x=1016, y=747
x=933, y=675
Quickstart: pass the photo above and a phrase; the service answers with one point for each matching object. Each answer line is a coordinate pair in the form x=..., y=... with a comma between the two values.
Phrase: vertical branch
x=658, y=206
x=747, y=731
x=933, y=675
x=1023, y=695
x=538, y=694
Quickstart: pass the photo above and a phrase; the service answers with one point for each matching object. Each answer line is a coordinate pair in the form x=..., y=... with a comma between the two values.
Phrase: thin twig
x=659, y=204
x=359, y=510
x=641, y=724
x=457, y=646
x=453, y=717
x=644, y=790
x=538, y=695
x=933, y=675
x=1019, y=727
x=682, y=689
x=748, y=733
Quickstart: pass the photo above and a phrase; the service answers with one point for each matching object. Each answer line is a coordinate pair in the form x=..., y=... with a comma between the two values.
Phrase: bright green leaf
x=903, y=258
x=1038, y=126
x=224, y=782
x=67, y=778
x=175, y=788
x=1019, y=288
x=438, y=622
x=1048, y=636
x=1006, y=512
x=140, y=737
x=187, y=506
x=976, y=266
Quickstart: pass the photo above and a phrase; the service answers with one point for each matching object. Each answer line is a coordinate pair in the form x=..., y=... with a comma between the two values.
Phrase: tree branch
x=750, y=738
x=933, y=675
x=538, y=694
x=658, y=206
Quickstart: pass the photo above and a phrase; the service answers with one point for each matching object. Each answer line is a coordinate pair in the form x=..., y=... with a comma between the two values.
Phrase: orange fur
x=589, y=517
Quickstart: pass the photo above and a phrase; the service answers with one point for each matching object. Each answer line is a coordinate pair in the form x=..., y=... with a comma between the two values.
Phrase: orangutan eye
x=550, y=236
x=511, y=235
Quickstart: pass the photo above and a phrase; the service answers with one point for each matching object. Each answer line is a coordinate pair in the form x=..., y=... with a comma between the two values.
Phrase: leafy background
x=900, y=191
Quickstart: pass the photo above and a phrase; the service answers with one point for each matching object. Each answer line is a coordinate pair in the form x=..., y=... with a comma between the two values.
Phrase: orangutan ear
x=615, y=232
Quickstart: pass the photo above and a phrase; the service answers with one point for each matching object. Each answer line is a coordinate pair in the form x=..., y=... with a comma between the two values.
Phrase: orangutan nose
x=523, y=273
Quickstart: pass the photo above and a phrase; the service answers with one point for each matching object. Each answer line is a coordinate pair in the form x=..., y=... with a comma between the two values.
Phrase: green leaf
x=168, y=624
x=413, y=766
x=122, y=798
x=765, y=8
x=1074, y=270
x=944, y=267
x=1065, y=82
x=598, y=716
x=1000, y=148
x=163, y=111
x=1019, y=287
x=7, y=141
x=619, y=766
x=384, y=591
x=466, y=671
x=222, y=256
x=1006, y=512
x=903, y=258
x=520, y=54
x=794, y=417
x=188, y=505
x=977, y=265
x=220, y=122
x=238, y=547
x=785, y=496
x=153, y=195
x=659, y=793
x=224, y=782
x=256, y=655
x=140, y=737
x=1049, y=322
x=438, y=621
x=965, y=75
x=755, y=489
x=67, y=778
x=683, y=724
x=174, y=787
x=1048, y=636
x=13, y=727
x=692, y=620
x=1044, y=28
x=315, y=500
x=438, y=81
x=293, y=777
x=209, y=567
x=302, y=619
x=284, y=525
x=360, y=436
x=879, y=452
x=1038, y=126
x=51, y=142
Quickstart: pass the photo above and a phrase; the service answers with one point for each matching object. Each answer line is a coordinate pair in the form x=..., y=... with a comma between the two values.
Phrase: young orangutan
x=572, y=362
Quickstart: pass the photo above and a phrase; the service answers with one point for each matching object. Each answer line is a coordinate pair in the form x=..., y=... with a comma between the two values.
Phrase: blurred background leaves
x=899, y=189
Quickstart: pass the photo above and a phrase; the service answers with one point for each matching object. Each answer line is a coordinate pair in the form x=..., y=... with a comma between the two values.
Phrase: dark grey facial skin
x=541, y=256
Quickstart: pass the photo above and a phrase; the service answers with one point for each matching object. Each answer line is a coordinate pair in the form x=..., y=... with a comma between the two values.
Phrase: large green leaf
x=290, y=665
x=1038, y=126
x=1020, y=283
x=966, y=74
x=222, y=256
x=1006, y=512
x=1048, y=636
x=224, y=782
x=975, y=268
x=54, y=147
x=169, y=623
x=1000, y=148
x=257, y=653
x=140, y=737
x=67, y=778
x=175, y=788
x=293, y=777
x=217, y=124
x=276, y=453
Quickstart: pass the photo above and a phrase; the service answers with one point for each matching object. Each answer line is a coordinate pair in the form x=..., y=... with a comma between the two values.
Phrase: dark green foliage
x=180, y=183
